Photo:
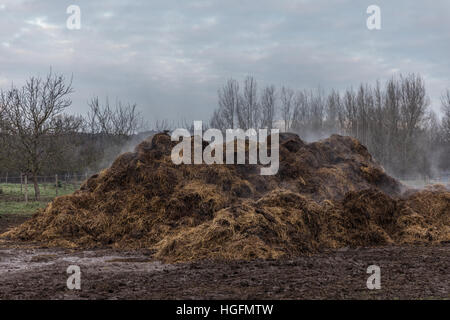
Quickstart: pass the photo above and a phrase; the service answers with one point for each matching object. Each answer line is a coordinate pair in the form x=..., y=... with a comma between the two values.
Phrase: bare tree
x=317, y=110
x=351, y=111
x=122, y=120
x=164, y=125
x=300, y=122
x=377, y=133
x=217, y=120
x=287, y=106
x=364, y=100
x=34, y=117
x=445, y=100
x=268, y=107
x=333, y=112
x=413, y=108
x=4, y=159
x=229, y=100
x=248, y=108
x=414, y=102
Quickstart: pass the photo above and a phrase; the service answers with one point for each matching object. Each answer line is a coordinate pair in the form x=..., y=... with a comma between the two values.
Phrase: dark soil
x=406, y=273
x=413, y=272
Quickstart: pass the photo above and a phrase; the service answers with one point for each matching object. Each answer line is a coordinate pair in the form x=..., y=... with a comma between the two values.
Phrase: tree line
x=393, y=119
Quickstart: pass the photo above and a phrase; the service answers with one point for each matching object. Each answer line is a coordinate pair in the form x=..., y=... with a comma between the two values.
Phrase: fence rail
x=17, y=179
x=21, y=188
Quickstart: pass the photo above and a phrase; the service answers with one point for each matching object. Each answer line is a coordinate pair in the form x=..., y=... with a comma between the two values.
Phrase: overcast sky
x=170, y=57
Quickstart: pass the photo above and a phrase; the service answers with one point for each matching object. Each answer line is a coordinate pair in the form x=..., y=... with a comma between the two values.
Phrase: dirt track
x=406, y=273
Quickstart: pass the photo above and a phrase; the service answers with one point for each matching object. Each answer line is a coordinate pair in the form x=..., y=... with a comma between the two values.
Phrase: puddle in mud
x=18, y=260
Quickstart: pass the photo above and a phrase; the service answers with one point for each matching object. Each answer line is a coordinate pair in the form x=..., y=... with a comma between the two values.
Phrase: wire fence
x=22, y=188
x=67, y=178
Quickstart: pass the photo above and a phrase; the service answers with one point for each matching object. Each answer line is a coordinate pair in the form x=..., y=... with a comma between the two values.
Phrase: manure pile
x=327, y=194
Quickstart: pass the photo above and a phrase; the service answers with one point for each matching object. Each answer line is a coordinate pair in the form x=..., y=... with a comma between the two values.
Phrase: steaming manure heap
x=327, y=194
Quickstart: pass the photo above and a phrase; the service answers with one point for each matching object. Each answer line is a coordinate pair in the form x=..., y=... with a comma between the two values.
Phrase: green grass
x=22, y=208
x=12, y=199
x=47, y=190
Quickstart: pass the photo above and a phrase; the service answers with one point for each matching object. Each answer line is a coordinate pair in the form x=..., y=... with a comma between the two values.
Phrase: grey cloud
x=171, y=57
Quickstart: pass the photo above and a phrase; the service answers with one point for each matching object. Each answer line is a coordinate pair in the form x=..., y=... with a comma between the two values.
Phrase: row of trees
x=392, y=119
x=37, y=136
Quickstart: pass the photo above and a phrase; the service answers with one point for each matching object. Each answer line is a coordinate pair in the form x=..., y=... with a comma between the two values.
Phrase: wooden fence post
x=21, y=183
x=26, y=188
x=56, y=184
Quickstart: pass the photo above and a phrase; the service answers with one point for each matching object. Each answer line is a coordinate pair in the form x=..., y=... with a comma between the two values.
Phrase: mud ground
x=406, y=273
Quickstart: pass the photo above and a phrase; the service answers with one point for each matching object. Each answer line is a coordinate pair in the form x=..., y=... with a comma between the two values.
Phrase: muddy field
x=406, y=273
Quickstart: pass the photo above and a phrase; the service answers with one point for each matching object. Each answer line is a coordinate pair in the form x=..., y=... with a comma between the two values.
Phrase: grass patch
x=12, y=197
x=15, y=207
x=48, y=190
